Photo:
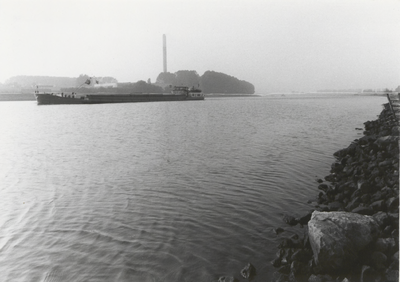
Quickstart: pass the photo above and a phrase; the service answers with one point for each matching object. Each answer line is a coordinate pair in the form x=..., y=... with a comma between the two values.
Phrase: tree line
x=209, y=82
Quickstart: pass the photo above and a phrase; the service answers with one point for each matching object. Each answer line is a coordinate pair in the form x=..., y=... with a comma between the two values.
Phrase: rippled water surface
x=170, y=191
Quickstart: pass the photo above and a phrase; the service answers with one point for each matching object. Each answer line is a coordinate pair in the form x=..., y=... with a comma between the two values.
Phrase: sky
x=277, y=45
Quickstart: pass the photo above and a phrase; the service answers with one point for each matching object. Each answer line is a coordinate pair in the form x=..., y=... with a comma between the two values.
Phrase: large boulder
x=337, y=238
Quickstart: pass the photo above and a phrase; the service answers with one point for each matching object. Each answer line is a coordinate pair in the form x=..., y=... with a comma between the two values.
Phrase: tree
x=216, y=82
x=187, y=78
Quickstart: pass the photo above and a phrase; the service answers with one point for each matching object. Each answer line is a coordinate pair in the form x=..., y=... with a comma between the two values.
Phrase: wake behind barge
x=179, y=93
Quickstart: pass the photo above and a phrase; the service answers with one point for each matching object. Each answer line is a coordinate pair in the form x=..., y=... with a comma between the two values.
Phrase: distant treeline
x=25, y=81
x=209, y=82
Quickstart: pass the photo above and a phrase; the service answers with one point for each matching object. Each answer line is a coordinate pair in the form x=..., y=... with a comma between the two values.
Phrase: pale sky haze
x=278, y=45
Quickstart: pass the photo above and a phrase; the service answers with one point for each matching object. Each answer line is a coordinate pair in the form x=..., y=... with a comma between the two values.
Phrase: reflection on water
x=176, y=191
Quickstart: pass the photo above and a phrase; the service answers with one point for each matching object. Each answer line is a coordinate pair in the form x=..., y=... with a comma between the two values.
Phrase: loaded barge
x=179, y=93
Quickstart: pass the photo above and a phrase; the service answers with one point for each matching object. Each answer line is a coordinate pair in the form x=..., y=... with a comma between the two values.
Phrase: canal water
x=169, y=191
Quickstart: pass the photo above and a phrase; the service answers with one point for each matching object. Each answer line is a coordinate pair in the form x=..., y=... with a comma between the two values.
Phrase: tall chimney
x=165, y=52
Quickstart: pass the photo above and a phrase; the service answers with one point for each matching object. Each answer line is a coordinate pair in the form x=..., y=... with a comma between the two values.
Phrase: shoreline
x=16, y=97
x=363, y=186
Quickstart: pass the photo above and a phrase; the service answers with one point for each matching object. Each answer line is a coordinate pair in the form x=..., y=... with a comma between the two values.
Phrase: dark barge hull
x=49, y=99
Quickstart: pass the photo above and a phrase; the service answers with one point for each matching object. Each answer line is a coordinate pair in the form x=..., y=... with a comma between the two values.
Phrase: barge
x=179, y=93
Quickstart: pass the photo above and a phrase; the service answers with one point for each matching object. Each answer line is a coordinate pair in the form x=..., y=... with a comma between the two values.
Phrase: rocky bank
x=352, y=234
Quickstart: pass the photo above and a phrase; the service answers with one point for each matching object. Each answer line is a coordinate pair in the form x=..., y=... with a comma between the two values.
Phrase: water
x=172, y=191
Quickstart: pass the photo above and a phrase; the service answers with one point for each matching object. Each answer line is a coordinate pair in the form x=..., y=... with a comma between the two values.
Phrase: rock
x=314, y=278
x=378, y=205
x=279, y=277
x=366, y=198
x=335, y=206
x=331, y=177
x=392, y=276
x=278, y=230
x=386, y=140
x=248, y=271
x=364, y=186
x=227, y=279
x=396, y=256
x=392, y=202
x=320, y=278
x=363, y=210
x=276, y=262
x=368, y=274
x=301, y=255
x=388, y=230
x=336, y=167
x=289, y=220
x=377, y=196
x=353, y=204
x=285, y=269
x=339, y=197
x=337, y=238
x=323, y=187
x=381, y=218
x=378, y=260
x=298, y=268
x=384, y=244
x=385, y=163
x=287, y=243
x=304, y=219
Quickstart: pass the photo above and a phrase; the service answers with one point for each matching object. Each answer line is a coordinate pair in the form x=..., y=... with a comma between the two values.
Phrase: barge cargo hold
x=179, y=93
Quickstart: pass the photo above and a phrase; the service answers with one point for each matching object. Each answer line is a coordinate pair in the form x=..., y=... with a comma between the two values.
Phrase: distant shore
x=16, y=97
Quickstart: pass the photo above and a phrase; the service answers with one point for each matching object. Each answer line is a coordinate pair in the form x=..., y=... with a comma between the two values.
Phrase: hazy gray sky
x=276, y=45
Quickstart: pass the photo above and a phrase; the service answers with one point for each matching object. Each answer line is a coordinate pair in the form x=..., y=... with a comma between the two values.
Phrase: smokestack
x=165, y=52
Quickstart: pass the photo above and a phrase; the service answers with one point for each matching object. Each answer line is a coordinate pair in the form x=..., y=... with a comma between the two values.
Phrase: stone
x=248, y=271
x=298, y=267
x=323, y=187
x=366, y=198
x=388, y=230
x=378, y=260
x=363, y=210
x=384, y=244
x=336, y=167
x=227, y=279
x=364, y=186
x=314, y=278
x=378, y=205
x=386, y=140
x=377, y=196
x=392, y=276
x=301, y=255
x=287, y=243
x=382, y=218
x=304, y=219
x=289, y=220
x=285, y=269
x=276, y=262
x=330, y=178
x=278, y=230
x=339, y=197
x=335, y=206
x=368, y=274
x=279, y=277
x=354, y=203
x=337, y=238
x=392, y=202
